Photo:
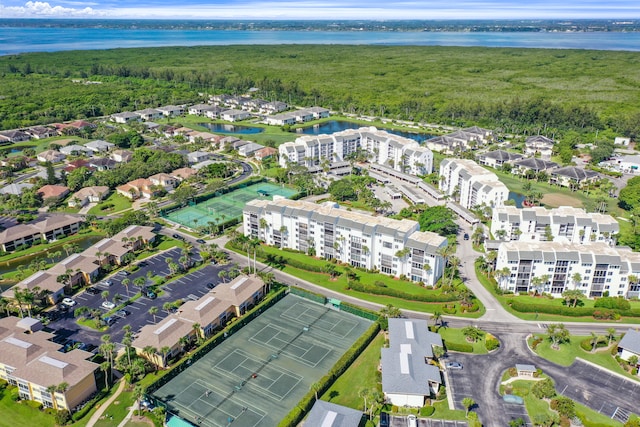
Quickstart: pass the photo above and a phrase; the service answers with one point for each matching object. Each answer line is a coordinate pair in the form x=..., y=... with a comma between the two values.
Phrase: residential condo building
x=394, y=247
x=554, y=267
x=562, y=224
x=383, y=148
x=35, y=364
x=470, y=184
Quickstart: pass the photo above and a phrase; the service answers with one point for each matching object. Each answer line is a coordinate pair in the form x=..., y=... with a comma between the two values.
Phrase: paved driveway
x=397, y=421
x=591, y=386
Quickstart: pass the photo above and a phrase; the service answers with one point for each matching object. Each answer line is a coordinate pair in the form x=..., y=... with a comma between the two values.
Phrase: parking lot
x=191, y=286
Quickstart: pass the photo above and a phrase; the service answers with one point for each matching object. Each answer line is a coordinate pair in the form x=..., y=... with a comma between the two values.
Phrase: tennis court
x=258, y=375
x=227, y=206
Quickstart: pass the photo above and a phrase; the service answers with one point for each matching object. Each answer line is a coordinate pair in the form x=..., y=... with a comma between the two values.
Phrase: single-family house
x=198, y=156
x=572, y=176
x=14, y=136
x=102, y=163
x=122, y=156
x=228, y=140
x=149, y=114
x=195, y=136
x=171, y=110
x=41, y=132
x=75, y=150
x=222, y=99
x=203, y=109
x=53, y=192
x=265, y=153
x=273, y=107
x=86, y=195
x=408, y=379
x=99, y=146
x=247, y=149
x=164, y=180
x=234, y=115
x=125, y=117
x=629, y=345
x=15, y=188
x=78, y=163
x=137, y=188
x=52, y=156
x=183, y=173
x=327, y=414
x=282, y=119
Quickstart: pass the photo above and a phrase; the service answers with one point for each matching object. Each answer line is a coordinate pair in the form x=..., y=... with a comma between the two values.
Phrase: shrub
x=544, y=389
x=427, y=411
x=536, y=341
x=33, y=404
x=565, y=406
x=394, y=409
x=585, y=344
x=63, y=417
x=379, y=290
x=513, y=372
x=614, y=303
x=605, y=315
x=491, y=344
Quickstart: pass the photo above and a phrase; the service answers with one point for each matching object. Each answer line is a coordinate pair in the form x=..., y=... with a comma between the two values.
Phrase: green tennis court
x=255, y=377
x=224, y=207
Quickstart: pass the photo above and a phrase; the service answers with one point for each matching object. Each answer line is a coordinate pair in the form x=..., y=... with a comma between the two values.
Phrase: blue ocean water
x=15, y=40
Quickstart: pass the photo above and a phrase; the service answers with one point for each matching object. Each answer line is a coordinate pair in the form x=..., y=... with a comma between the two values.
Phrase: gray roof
x=327, y=414
x=404, y=369
x=576, y=173
x=631, y=341
x=536, y=164
x=501, y=155
x=528, y=368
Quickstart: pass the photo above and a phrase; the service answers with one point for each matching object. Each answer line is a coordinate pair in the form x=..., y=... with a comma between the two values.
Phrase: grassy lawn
x=444, y=413
x=20, y=414
x=118, y=201
x=162, y=243
x=536, y=406
x=363, y=372
x=340, y=284
x=455, y=335
x=117, y=411
x=567, y=353
x=489, y=284
x=44, y=247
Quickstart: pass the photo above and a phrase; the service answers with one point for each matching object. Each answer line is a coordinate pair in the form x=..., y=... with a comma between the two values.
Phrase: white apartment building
x=399, y=153
x=566, y=224
x=470, y=184
x=599, y=267
x=357, y=238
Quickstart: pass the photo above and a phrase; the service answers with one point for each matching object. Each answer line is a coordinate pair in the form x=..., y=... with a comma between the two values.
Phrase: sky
x=326, y=9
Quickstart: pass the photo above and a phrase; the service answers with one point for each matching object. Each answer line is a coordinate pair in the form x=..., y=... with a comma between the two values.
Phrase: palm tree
x=167, y=306
x=222, y=275
x=389, y=311
x=165, y=351
x=437, y=317
x=611, y=335
x=52, y=391
x=468, y=403
x=126, y=282
x=197, y=330
x=138, y=393
x=104, y=295
x=149, y=351
x=153, y=311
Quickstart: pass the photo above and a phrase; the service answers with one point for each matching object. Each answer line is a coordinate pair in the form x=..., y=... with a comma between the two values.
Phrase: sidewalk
x=98, y=414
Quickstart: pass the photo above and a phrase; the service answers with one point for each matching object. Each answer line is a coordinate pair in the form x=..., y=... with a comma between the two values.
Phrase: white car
x=69, y=302
x=108, y=305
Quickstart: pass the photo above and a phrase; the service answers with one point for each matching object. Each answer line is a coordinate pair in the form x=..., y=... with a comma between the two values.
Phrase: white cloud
x=33, y=9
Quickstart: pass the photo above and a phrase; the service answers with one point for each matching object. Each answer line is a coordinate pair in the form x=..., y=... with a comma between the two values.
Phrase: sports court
x=227, y=206
x=258, y=375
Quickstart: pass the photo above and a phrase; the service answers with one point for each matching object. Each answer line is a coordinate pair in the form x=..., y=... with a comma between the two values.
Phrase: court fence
x=344, y=306
x=304, y=405
x=214, y=341
x=308, y=294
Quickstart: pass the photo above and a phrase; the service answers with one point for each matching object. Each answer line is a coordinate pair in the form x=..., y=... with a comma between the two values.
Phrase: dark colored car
x=177, y=236
x=466, y=236
x=142, y=264
x=201, y=241
x=151, y=295
x=92, y=291
x=122, y=313
x=211, y=285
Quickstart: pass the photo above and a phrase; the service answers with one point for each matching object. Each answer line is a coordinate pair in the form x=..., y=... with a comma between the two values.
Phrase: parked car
x=412, y=421
x=110, y=320
x=124, y=273
x=108, y=282
x=142, y=264
x=453, y=365
x=68, y=302
x=466, y=236
x=151, y=295
x=211, y=285
x=108, y=305
x=122, y=313
x=177, y=236
x=92, y=291
x=201, y=241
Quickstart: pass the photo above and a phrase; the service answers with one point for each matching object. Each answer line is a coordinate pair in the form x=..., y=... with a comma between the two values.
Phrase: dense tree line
x=518, y=90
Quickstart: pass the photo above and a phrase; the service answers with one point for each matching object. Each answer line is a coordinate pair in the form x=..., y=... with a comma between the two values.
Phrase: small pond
x=517, y=197
x=226, y=128
x=333, y=126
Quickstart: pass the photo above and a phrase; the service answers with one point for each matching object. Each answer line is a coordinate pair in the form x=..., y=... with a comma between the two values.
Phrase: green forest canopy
x=514, y=88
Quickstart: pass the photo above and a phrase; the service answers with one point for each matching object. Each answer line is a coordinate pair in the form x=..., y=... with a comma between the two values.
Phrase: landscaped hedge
x=304, y=406
x=571, y=311
x=461, y=347
x=377, y=290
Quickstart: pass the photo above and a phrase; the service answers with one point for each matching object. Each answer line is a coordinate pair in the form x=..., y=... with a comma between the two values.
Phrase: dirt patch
x=557, y=199
x=138, y=421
